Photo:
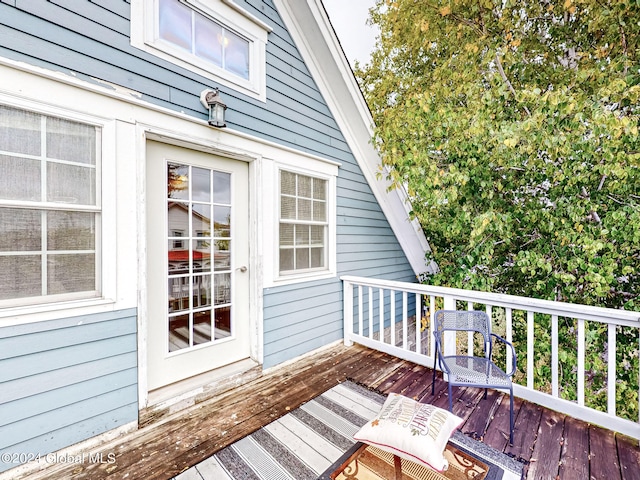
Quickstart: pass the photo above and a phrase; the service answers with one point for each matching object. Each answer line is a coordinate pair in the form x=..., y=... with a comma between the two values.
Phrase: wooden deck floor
x=552, y=445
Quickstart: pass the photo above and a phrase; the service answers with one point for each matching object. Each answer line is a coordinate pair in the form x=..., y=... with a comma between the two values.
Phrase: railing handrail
x=562, y=309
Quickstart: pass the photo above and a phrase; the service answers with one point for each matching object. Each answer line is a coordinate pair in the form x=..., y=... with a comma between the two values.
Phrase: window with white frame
x=49, y=208
x=214, y=38
x=304, y=223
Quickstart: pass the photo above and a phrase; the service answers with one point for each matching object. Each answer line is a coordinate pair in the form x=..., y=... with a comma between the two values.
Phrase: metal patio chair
x=471, y=371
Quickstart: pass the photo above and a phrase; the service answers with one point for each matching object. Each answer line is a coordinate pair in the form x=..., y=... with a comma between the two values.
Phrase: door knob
x=242, y=269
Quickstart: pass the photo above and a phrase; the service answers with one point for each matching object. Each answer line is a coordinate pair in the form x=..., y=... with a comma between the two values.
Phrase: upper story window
x=214, y=38
x=50, y=211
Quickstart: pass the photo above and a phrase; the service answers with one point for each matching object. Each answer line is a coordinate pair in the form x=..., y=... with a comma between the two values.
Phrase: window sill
x=22, y=315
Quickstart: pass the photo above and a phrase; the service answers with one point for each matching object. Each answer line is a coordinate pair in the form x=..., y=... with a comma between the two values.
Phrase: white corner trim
x=311, y=30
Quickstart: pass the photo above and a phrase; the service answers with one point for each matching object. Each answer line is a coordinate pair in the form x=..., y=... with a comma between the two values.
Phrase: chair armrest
x=513, y=353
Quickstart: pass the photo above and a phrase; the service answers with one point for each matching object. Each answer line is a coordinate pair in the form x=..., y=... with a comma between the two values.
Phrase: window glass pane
x=304, y=209
x=71, y=184
x=236, y=54
x=179, y=332
x=286, y=259
x=70, y=231
x=20, y=179
x=302, y=258
x=209, y=40
x=20, y=230
x=20, y=131
x=287, y=183
x=222, y=322
x=201, y=291
x=222, y=187
x=302, y=235
x=177, y=181
x=222, y=259
x=20, y=276
x=317, y=235
x=304, y=186
x=286, y=234
x=319, y=189
x=201, y=184
x=288, y=208
x=71, y=273
x=175, y=23
x=71, y=141
x=222, y=221
x=319, y=211
x=201, y=327
x=317, y=257
x=201, y=256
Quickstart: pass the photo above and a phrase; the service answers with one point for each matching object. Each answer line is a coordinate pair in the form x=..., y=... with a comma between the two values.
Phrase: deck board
x=553, y=443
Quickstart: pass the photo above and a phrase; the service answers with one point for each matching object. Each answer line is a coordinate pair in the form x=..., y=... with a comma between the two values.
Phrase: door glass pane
x=202, y=327
x=179, y=332
x=222, y=188
x=194, y=195
x=222, y=322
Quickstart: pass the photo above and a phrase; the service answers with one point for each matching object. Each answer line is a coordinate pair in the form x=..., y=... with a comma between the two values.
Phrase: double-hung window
x=49, y=208
x=304, y=223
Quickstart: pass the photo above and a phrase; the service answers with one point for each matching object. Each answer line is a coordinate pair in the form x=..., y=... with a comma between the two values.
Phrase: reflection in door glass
x=199, y=289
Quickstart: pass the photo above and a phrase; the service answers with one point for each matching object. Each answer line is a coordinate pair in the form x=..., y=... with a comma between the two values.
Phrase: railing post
x=449, y=347
x=347, y=312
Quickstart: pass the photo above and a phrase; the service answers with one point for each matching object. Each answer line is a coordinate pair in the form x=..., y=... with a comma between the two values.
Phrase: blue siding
x=63, y=381
x=91, y=40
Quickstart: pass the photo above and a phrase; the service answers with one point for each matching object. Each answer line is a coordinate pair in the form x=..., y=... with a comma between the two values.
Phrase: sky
x=348, y=18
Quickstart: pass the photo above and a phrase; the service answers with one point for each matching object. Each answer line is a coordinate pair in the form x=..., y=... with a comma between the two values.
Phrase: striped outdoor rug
x=307, y=443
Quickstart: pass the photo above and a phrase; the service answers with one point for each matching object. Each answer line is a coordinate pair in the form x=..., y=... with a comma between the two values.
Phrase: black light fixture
x=211, y=100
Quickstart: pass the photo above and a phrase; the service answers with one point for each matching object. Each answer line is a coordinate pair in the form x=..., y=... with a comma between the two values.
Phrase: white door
x=197, y=257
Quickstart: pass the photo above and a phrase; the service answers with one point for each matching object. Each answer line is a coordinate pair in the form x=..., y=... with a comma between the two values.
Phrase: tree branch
x=508, y=83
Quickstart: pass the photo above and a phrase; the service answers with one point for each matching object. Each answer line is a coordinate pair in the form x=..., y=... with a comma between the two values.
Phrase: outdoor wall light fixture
x=210, y=99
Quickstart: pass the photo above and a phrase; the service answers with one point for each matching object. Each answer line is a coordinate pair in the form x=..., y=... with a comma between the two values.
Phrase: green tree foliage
x=513, y=126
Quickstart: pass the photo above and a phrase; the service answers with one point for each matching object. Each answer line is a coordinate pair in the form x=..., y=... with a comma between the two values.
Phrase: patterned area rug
x=313, y=441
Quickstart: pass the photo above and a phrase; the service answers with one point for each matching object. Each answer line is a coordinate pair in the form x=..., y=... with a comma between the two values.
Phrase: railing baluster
x=580, y=361
x=348, y=313
x=554, y=355
x=470, y=334
x=371, y=312
x=360, y=311
x=611, y=373
x=529, y=349
x=392, y=299
x=418, y=323
x=381, y=327
x=404, y=320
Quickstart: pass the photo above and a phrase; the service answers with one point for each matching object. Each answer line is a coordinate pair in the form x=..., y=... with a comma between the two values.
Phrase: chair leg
x=486, y=390
x=450, y=399
x=433, y=383
x=511, y=416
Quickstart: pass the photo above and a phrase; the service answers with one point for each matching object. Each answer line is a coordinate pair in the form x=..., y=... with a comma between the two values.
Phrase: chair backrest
x=462, y=320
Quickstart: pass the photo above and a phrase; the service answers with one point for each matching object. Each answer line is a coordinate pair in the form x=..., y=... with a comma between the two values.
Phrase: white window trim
x=303, y=166
x=105, y=236
x=227, y=13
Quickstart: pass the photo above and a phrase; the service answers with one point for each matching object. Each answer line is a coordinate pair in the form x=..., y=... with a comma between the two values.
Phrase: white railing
x=396, y=318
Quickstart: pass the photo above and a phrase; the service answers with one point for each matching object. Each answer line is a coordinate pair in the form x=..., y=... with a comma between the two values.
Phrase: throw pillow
x=418, y=432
